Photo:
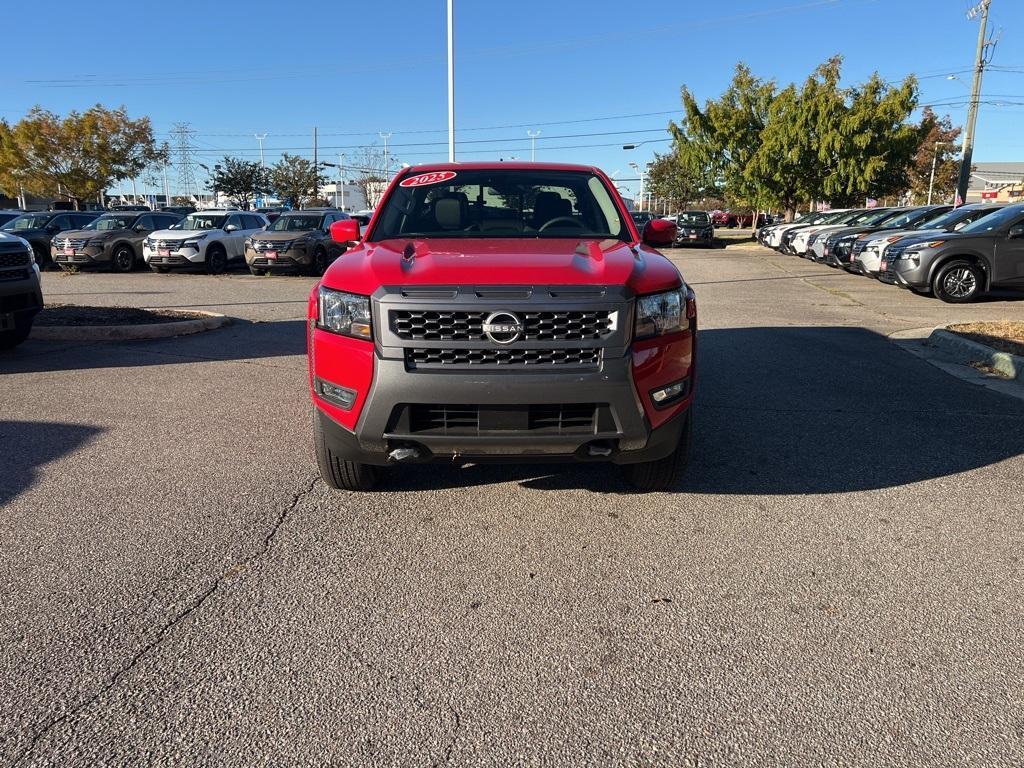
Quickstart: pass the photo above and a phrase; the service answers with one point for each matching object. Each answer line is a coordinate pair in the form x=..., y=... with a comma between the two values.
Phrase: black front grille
x=546, y=419
x=434, y=325
x=18, y=302
x=17, y=259
x=419, y=357
x=173, y=259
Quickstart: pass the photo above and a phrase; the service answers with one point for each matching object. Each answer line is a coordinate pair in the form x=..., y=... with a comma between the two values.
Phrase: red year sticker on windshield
x=427, y=178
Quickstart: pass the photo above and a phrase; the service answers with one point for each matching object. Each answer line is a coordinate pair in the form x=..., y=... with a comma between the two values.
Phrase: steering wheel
x=564, y=220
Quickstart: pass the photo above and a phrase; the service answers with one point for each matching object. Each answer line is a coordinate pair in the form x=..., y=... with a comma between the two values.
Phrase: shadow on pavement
x=28, y=445
x=802, y=411
x=242, y=340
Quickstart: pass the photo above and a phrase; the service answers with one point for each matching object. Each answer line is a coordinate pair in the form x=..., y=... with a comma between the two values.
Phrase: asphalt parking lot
x=837, y=580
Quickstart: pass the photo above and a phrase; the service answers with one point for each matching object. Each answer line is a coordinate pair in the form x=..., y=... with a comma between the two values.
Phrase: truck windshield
x=499, y=203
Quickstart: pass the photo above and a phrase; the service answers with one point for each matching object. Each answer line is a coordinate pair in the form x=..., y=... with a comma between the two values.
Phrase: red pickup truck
x=502, y=312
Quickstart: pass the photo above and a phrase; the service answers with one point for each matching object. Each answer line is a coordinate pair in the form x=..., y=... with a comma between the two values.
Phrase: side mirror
x=659, y=232
x=345, y=231
x=230, y=228
x=1016, y=231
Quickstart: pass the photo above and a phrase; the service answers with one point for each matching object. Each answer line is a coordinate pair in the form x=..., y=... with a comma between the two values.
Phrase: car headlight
x=96, y=242
x=193, y=242
x=660, y=313
x=909, y=256
x=248, y=242
x=344, y=313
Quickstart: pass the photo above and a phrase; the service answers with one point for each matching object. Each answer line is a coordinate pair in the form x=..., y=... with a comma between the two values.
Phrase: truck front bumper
x=586, y=416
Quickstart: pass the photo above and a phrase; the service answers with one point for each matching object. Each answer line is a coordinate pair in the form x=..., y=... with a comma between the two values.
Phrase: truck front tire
x=12, y=338
x=338, y=473
x=662, y=474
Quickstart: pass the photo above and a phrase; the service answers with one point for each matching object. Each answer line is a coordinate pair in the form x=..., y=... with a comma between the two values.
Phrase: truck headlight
x=660, y=313
x=344, y=313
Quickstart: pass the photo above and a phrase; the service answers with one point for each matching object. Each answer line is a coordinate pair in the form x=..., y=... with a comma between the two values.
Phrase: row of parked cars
x=296, y=242
x=956, y=254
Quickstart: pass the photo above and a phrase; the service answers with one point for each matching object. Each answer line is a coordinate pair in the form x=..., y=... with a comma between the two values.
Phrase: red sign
x=989, y=195
x=424, y=179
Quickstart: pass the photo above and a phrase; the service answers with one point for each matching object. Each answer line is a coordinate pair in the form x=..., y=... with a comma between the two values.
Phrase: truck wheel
x=661, y=475
x=11, y=339
x=958, y=282
x=338, y=473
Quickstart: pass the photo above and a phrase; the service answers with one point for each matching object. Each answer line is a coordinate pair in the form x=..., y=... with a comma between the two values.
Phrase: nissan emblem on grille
x=503, y=327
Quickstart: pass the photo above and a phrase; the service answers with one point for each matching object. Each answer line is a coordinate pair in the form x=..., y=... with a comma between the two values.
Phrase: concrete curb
x=210, y=321
x=1010, y=366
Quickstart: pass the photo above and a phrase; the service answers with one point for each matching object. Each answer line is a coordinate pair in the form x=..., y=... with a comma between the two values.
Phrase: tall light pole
x=260, y=137
x=972, y=111
x=387, y=161
x=640, y=171
x=931, y=181
x=341, y=179
x=451, y=81
x=533, y=144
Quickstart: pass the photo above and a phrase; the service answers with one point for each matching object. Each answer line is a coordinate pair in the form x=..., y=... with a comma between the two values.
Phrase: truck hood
x=506, y=261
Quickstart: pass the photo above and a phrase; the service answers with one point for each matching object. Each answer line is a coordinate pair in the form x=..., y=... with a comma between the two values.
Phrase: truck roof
x=497, y=165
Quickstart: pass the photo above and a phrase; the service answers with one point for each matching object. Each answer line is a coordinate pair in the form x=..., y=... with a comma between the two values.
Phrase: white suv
x=211, y=238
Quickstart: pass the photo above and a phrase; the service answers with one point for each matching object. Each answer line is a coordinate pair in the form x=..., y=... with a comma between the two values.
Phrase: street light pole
x=972, y=112
x=931, y=181
x=387, y=161
x=341, y=178
x=260, y=137
x=533, y=145
x=451, y=81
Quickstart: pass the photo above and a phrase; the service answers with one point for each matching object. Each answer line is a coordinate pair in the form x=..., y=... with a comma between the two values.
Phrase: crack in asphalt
x=165, y=629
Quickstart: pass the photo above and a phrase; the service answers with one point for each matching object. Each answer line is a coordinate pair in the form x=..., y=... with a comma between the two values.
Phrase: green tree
x=78, y=156
x=869, y=147
x=296, y=180
x=724, y=136
x=938, y=142
x=239, y=180
x=676, y=179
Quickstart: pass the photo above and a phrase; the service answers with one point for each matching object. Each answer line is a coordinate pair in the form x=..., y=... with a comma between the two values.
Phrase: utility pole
x=260, y=137
x=316, y=166
x=972, y=112
x=341, y=179
x=931, y=181
x=167, y=189
x=533, y=144
x=387, y=160
x=451, y=81
x=182, y=134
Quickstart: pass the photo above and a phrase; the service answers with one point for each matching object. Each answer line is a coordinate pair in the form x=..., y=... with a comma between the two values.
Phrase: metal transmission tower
x=182, y=134
x=981, y=60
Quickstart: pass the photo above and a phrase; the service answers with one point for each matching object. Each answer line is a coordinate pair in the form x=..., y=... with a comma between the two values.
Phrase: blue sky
x=591, y=75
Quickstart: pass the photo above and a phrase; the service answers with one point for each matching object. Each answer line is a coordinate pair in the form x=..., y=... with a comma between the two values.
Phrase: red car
x=502, y=312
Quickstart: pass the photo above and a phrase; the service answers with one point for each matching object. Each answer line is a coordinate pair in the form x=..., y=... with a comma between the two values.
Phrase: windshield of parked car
x=110, y=222
x=28, y=221
x=995, y=220
x=904, y=219
x=500, y=203
x=295, y=223
x=694, y=219
x=203, y=221
x=872, y=217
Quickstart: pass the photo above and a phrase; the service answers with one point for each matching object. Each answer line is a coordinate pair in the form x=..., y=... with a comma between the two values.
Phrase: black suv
x=958, y=267
x=113, y=240
x=297, y=241
x=40, y=227
x=20, y=295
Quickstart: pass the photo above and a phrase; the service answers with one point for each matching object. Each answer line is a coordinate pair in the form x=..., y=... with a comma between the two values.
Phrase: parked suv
x=20, y=295
x=113, y=240
x=40, y=227
x=502, y=312
x=694, y=228
x=958, y=267
x=297, y=241
x=209, y=239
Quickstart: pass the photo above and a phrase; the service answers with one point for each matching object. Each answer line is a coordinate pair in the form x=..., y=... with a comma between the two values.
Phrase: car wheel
x=662, y=475
x=319, y=263
x=123, y=259
x=12, y=338
x=42, y=256
x=257, y=272
x=339, y=473
x=958, y=282
x=216, y=259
